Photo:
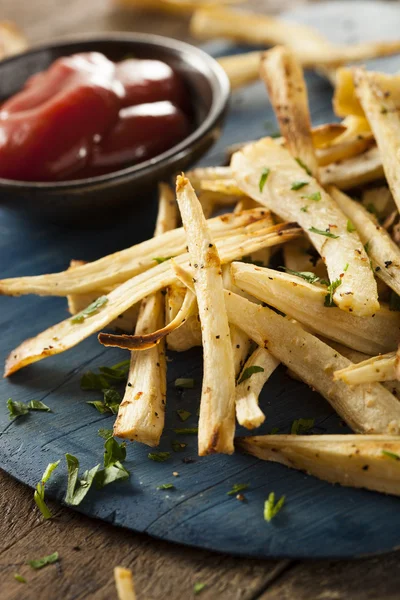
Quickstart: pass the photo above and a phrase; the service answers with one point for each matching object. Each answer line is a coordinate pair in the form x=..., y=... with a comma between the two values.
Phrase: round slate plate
x=318, y=520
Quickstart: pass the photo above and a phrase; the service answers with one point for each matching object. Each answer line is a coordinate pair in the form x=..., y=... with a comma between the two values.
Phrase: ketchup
x=88, y=116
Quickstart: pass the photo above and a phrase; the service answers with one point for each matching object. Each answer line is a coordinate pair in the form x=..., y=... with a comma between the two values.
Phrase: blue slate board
x=318, y=520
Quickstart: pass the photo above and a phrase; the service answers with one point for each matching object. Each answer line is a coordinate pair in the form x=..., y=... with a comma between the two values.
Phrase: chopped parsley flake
x=18, y=409
x=391, y=455
x=350, y=227
x=108, y=375
x=110, y=404
x=247, y=373
x=303, y=166
x=161, y=259
x=329, y=302
x=198, y=588
x=300, y=426
x=90, y=310
x=178, y=446
x=39, y=563
x=306, y=275
x=270, y=508
x=315, y=197
x=183, y=414
x=186, y=431
x=326, y=233
x=40, y=490
x=346, y=266
x=297, y=185
x=237, y=487
x=78, y=488
x=19, y=578
x=264, y=176
x=166, y=486
x=159, y=456
x=304, y=209
x=184, y=382
x=105, y=433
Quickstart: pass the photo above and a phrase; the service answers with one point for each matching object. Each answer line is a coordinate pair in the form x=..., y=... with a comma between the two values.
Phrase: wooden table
x=89, y=549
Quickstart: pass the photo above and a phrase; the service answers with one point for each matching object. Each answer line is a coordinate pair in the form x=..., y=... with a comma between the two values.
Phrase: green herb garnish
x=39, y=563
x=40, y=490
x=300, y=426
x=178, y=446
x=237, y=487
x=304, y=209
x=19, y=578
x=184, y=382
x=187, y=431
x=391, y=455
x=198, y=587
x=329, y=302
x=107, y=376
x=303, y=166
x=270, y=508
x=366, y=247
x=90, y=310
x=297, y=185
x=159, y=456
x=350, y=227
x=306, y=275
x=78, y=488
x=247, y=373
x=326, y=233
x=110, y=404
x=108, y=475
x=16, y=409
x=113, y=452
x=274, y=430
x=161, y=259
x=105, y=433
x=315, y=197
x=264, y=176
x=346, y=266
x=183, y=414
x=166, y=486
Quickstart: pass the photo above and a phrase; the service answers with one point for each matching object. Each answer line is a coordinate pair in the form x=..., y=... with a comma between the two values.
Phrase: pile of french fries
x=331, y=315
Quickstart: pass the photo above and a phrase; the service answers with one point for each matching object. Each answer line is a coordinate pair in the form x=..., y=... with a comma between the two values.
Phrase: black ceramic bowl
x=97, y=198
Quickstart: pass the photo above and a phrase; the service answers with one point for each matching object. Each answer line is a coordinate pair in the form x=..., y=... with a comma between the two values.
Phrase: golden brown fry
x=124, y=584
x=377, y=368
x=269, y=174
x=188, y=334
x=367, y=461
x=382, y=250
x=217, y=412
x=119, y=267
x=382, y=113
x=305, y=302
x=355, y=171
x=248, y=412
x=283, y=77
x=366, y=408
x=12, y=40
x=345, y=100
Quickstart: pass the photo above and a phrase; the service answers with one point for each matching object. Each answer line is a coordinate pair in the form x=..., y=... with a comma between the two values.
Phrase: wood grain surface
x=90, y=549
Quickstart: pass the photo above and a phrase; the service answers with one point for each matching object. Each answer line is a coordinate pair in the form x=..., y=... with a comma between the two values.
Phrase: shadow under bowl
x=86, y=201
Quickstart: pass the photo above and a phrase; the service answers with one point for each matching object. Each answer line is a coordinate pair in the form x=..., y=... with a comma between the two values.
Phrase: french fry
x=240, y=342
x=12, y=40
x=367, y=461
x=355, y=171
x=124, y=584
x=226, y=187
x=144, y=341
x=67, y=334
x=366, y=408
x=248, y=412
x=382, y=113
x=121, y=266
x=305, y=302
x=382, y=250
x=174, y=7
x=345, y=100
x=311, y=48
x=377, y=368
x=141, y=414
x=269, y=174
x=197, y=176
x=241, y=69
x=188, y=334
x=283, y=77
x=217, y=412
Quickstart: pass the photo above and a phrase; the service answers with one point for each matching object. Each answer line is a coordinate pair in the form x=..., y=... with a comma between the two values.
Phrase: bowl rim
x=220, y=96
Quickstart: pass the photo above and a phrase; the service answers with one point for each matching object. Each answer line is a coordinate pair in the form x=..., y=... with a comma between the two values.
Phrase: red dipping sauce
x=88, y=116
